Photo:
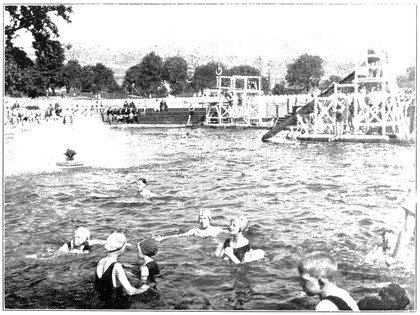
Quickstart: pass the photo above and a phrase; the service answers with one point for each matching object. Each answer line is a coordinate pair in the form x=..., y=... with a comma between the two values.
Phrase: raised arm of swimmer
x=205, y=229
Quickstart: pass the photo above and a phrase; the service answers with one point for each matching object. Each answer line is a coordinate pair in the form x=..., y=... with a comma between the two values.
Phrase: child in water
x=146, y=249
x=143, y=191
x=238, y=249
x=318, y=272
x=81, y=242
x=205, y=229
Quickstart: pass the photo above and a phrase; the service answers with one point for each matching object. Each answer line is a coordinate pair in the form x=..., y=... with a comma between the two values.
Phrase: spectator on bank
x=190, y=113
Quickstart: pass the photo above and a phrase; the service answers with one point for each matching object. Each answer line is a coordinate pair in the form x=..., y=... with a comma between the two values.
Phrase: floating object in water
x=70, y=163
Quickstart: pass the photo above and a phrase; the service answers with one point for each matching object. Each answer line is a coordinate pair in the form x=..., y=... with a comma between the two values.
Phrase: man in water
x=142, y=189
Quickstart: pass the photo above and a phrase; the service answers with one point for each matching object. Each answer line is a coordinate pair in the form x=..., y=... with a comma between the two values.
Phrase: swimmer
x=318, y=272
x=399, y=246
x=143, y=191
x=205, y=229
x=81, y=242
x=110, y=277
x=146, y=249
x=238, y=249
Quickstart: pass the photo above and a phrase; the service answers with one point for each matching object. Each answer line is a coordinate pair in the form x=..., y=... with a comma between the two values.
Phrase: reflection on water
x=298, y=196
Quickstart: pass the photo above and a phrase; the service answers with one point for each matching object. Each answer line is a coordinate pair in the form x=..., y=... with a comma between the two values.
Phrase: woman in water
x=205, y=229
x=238, y=249
x=81, y=242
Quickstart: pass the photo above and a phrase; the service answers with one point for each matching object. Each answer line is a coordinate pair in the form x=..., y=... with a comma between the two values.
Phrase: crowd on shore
x=18, y=114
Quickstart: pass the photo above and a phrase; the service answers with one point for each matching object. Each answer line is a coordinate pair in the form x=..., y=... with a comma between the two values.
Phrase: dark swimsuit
x=112, y=296
x=85, y=245
x=153, y=271
x=339, y=302
x=240, y=251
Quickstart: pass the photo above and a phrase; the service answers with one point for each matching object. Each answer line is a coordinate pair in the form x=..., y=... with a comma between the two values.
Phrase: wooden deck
x=355, y=139
x=347, y=138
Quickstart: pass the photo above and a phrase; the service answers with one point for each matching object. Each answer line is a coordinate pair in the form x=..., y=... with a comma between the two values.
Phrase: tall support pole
x=316, y=115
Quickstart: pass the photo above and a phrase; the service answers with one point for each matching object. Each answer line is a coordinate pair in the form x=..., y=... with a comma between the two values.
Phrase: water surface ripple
x=298, y=197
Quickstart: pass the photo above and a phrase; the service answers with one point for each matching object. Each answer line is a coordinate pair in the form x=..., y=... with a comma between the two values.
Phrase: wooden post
x=316, y=115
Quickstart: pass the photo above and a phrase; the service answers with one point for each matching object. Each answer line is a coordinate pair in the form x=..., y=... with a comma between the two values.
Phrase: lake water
x=336, y=197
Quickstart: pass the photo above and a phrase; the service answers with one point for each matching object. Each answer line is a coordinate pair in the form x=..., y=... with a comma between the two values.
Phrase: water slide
x=308, y=108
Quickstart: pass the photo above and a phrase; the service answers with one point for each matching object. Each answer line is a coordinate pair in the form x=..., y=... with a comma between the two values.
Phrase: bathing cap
x=149, y=247
x=82, y=232
x=205, y=213
x=242, y=222
x=115, y=241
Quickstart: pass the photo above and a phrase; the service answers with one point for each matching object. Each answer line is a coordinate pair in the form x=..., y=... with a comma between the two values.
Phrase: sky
x=342, y=31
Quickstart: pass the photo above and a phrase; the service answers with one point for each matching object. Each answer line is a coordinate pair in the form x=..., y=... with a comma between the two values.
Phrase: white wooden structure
x=238, y=102
x=370, y=103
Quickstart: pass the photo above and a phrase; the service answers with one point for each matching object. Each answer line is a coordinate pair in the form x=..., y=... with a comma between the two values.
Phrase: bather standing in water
x=205, y=229
x=238, y=249
x=110, y=277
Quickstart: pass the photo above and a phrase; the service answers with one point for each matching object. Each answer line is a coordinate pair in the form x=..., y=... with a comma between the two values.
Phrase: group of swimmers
x=317, y=270
x=110, y=277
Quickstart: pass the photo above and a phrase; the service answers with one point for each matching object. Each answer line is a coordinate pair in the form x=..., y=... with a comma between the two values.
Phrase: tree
x=18, y=67
x=103, y=79
x=49, y=63
x=326, y=83
x=87, y=78
x=205, y=76
x=35, y=19
x=72, y=73
x=147, y=76
x=97, y=78
x=15, y=72
x=244, y=70
x=305, y=73
x=175, y=72
x=279, y=88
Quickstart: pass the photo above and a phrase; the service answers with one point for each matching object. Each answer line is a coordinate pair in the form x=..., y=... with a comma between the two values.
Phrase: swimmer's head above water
x=204, y=218
x=238, y=224
x=115, y=242
x=81, y=235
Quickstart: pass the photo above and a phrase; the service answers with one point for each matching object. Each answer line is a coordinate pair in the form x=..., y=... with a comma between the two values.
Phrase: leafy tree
x=279, y=88
x=18, y=67
x=147, y=76
x=97, y=78
x=72, y=75
x=103, y=79
x=49, y=63
x=36, y=20
x=244, y=70
x=87, y=78
x=265, y=85
x=15, y=72
x=205, y=76
x=175, y=72
x=305, y=73
x=326, y=83
x=19, y=56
